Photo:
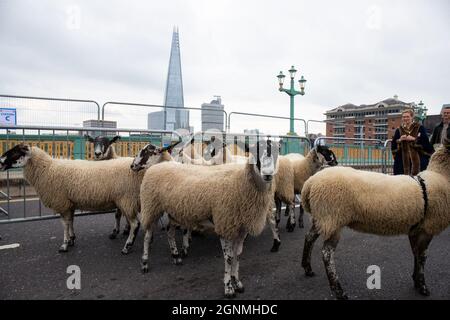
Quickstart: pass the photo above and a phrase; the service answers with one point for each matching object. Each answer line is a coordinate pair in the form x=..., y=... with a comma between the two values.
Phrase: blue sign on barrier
x=8, y=116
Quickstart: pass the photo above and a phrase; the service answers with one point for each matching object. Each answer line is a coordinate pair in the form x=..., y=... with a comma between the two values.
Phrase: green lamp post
x=421, y=112
x=291, y=92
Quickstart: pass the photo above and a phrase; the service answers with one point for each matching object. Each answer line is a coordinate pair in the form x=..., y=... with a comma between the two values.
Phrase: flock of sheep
x=233, y=197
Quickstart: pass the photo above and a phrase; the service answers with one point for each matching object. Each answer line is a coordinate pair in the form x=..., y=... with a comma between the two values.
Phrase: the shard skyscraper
x=172, y=119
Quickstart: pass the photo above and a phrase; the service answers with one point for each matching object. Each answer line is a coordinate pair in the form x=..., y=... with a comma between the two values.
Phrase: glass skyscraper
x=173, y=96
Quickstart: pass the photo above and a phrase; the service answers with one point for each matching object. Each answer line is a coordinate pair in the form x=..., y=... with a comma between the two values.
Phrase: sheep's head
x=214, y=149
x=264, y=157
x=325, y=155
x=16, y=157
x=102, y=146
x=150, y=155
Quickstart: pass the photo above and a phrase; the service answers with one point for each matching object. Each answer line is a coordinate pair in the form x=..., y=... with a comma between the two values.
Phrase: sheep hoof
x=126, y=232
x=71, y=242
x=423, y=290
x=144, y=267
x=341, y=296
x=237, y=286
x=184, y=253
x=63, y=249
x=309, y=273
x=113, y=235
x=230, y=295
x=177, y=261
x=300, y=225
x=240, y=290
x=126, y=250
x=275, y=246
x=290, y=227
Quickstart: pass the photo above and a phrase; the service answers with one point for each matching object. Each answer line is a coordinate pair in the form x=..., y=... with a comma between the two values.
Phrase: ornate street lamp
x=291, y=92
x=421, y=112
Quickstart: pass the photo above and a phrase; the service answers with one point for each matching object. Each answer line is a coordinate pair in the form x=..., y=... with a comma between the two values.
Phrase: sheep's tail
x=306, y=190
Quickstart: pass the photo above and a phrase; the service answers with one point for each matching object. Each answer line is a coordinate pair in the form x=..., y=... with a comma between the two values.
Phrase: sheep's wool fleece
x=303, y=169
x=284, y=180
x=375, y=202
x=65, y=185
x=191, y=194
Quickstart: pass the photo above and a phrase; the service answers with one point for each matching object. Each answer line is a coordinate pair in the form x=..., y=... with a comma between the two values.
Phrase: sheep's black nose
x=97, y=154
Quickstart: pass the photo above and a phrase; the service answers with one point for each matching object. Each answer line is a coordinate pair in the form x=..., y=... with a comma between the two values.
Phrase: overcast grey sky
x=349, y=51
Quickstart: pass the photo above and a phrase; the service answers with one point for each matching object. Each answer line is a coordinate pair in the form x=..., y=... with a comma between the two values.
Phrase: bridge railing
x=364, y=154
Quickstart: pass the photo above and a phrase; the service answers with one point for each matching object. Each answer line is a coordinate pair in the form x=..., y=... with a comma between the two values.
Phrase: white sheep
x=304, y=167
x=378, y=204
x=67, y=185
x=104, y=150
x=234, y=199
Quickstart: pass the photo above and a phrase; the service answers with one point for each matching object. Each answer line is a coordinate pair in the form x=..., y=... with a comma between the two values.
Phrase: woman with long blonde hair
x=410, y=146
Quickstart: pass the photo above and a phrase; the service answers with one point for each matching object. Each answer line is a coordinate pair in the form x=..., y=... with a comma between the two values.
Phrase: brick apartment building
x=372, y=121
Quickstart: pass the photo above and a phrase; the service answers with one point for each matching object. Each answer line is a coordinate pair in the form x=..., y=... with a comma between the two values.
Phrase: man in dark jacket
x=437, y=136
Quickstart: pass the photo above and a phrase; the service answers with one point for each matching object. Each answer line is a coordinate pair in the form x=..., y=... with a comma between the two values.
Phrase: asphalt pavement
x=35, y=270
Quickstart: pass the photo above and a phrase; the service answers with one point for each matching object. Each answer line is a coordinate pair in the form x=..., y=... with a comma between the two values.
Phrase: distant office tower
x=212, y=115
x=155, y=120
x=172, y=119
x=100, y=124
x=175, y=118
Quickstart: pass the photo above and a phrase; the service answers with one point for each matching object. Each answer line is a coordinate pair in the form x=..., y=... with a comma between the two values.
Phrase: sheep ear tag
x=168, y=148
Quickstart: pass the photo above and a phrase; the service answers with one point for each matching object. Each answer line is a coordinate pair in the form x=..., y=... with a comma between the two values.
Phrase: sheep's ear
x=169, y=148
x=89, y=138
x=113, y=140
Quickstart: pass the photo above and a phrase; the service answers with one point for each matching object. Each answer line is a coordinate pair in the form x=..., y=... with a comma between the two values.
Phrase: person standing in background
x=437, y=137
x=410, y=146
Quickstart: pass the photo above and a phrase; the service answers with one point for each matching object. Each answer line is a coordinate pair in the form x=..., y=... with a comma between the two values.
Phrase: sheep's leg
x=116, y=230
x=126, y=229
x=277, y=210
x=329, y=247
x=147, y=242
x=228, y=254
x=300, y=217
x=186, y=242
x=310, y=239
x=290, y=225
x=71, y=230
x=238, y=245
x=134, y=224
x=173, y=244
x=275, y=232
x=65, y=218
x=419, y=243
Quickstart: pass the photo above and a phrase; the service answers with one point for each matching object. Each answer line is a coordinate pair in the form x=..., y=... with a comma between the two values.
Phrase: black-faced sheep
x=103, y=147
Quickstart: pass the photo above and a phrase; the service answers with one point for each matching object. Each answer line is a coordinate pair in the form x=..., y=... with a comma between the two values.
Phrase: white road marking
x=10, y=246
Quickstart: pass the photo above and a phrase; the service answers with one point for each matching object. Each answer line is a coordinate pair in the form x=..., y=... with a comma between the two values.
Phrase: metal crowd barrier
x=153, y=106
x=364, y=154
x=264, y=116
x=19, y=201
x=56, y=111
x=388, y=165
